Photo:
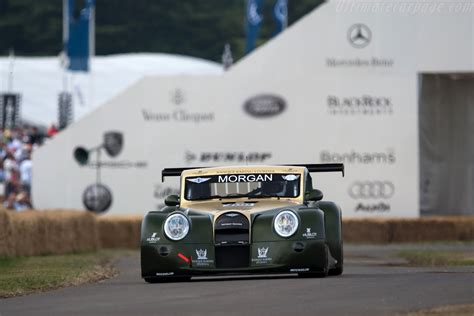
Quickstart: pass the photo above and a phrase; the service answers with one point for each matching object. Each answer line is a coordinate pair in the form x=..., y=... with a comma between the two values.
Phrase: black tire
x=340, y=265
x=336, y=270
x=333, y=229
x=318, y=274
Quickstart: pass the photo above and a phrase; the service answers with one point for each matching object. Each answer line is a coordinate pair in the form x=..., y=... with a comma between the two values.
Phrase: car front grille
x=232, y=241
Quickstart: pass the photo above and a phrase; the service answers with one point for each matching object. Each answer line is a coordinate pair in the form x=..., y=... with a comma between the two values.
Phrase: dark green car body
x=239, y=241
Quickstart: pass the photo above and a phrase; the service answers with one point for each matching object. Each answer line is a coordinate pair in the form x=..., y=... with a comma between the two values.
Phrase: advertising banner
x=345, y=93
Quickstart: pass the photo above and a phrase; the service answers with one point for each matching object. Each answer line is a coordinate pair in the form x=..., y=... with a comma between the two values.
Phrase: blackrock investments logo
x=265, y=106
x=372, y=196
x=359, y=35
x=359, y=105
x=354, y=157
x=179, y=114
x=227, y=157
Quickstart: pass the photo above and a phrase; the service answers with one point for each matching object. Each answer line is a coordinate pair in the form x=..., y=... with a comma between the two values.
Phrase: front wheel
x=336, y=271
x=318, y=274
x=339, y=268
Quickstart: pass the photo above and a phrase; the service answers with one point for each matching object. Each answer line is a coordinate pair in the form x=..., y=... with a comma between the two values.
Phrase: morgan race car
x=243, y=219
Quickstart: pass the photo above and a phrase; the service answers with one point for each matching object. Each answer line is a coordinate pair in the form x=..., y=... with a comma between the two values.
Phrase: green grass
x=22, y=275
x=433, y=258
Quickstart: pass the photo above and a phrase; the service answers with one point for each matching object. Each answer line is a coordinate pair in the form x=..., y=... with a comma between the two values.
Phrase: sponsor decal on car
x=290, y=177
x=262, y=256
x=245, y=178
x=309, y=234
x=238, y=204
x=164, y=273
x=198, y=180
x=299, y=270
x=153, y=239
x=202, y=260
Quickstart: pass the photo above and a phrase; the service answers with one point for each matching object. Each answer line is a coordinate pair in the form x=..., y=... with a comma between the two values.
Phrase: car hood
x=242, y=206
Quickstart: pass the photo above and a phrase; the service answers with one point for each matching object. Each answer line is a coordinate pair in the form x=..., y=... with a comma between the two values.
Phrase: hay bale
x=53, y=232
x=120, y=231
x=6, y=244
x=366, y=230
x=70, y=231
x=433, y=229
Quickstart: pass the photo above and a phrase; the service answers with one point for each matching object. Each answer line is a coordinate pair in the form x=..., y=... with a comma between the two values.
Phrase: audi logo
x=371, y=190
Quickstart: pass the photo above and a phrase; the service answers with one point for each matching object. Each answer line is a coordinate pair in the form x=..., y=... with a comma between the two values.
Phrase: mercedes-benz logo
x=359, y=35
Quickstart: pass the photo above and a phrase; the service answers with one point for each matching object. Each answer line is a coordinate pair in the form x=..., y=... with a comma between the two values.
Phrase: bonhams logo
x=265, y=105
x=353, y=157
x=359, y=105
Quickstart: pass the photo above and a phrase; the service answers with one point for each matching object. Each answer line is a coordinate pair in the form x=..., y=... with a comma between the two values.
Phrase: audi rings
x=371, y=190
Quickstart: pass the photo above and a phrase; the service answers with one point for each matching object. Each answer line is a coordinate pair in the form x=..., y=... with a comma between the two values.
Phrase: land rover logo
x=265, y=105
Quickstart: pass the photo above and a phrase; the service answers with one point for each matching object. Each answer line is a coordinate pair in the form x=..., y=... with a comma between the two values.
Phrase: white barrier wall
x=341, y=85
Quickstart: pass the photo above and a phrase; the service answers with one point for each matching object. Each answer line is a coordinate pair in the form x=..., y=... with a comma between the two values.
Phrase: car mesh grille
x=232, y=241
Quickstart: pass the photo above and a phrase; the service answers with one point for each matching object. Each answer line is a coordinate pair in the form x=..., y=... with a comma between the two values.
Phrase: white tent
x=40, y=79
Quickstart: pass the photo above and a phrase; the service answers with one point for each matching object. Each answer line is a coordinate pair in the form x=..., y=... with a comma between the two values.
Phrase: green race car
x=243, y=219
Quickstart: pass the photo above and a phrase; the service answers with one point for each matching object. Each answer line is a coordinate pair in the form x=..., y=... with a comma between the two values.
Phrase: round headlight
x=176, y=226
x=286, y=223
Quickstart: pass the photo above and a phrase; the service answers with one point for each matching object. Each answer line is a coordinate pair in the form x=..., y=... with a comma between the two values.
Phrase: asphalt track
x=371, y=285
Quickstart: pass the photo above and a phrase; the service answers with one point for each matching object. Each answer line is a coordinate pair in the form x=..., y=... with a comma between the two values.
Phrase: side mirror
x=314, y=195
x=172, y=200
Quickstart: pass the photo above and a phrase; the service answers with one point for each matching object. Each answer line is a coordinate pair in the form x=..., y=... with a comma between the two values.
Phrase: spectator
x=52, y=130
x=25, y=174
x=10, y=168
x=9, y=202
x=22, y=202
x=35, y=137
x=16, y=147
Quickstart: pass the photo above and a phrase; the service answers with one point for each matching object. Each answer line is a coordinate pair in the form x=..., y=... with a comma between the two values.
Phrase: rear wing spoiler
x=321, y=167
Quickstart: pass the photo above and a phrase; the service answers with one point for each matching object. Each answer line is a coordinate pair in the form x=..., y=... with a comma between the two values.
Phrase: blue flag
x=78, y=39
x=280, y=14
x=254, y=19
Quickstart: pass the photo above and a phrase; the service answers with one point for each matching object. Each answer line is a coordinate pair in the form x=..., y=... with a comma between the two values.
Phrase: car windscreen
x=261, y=185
